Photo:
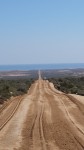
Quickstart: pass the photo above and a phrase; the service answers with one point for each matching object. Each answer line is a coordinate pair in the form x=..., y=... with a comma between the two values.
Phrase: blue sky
x=41, y=31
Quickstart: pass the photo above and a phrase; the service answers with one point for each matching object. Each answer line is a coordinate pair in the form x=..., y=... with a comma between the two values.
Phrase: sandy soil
x=79, y=98
x=10, y=135
x=54, y=121
x=46, y=119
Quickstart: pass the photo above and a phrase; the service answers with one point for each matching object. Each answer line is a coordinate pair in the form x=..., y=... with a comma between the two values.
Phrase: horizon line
x=42, y=63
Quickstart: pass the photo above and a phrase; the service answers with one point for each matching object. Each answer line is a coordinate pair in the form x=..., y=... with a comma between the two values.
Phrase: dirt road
x=46, y=119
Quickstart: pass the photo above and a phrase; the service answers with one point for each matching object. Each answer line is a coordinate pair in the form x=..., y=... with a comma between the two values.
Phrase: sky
x=41, y=31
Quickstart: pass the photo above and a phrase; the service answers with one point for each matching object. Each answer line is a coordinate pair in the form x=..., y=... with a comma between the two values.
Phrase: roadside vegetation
x=69, y=84
x=13, y=87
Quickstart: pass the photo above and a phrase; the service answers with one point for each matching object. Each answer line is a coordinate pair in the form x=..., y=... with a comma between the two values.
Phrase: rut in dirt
x=48, y=125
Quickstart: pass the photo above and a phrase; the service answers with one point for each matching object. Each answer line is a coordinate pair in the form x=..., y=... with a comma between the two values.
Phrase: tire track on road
x=68, y=114
x=48, y=125
x=54, y=96
x=10, y=113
